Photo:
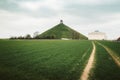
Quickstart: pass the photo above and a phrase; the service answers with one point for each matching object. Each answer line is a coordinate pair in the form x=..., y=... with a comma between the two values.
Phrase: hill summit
x=61, y=31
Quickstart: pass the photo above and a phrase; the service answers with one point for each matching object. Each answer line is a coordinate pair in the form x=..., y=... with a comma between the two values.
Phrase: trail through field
x=112, y=54
x=89, y=65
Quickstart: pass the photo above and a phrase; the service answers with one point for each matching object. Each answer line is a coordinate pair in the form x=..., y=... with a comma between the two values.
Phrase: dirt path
x=112, y=54
x=89, y=65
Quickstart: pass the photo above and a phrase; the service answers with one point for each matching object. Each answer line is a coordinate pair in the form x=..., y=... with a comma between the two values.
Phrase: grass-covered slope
x=61, y=31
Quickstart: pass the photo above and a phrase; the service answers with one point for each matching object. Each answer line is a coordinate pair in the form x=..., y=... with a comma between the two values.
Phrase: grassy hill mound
x=61, y=31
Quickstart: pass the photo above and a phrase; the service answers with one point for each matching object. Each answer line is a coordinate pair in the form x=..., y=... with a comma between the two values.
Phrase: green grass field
x=56, y=60
x=115, y=46
x=105, y=68
x=43, y=60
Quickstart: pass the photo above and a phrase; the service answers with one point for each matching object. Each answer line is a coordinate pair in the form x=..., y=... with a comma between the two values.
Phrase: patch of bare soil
x=89, y=65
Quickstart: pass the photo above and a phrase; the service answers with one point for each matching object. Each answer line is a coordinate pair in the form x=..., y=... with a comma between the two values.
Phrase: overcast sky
x=21, y=17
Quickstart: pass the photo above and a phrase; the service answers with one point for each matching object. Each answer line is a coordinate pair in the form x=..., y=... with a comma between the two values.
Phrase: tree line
x=28, y=36
x=35, y=36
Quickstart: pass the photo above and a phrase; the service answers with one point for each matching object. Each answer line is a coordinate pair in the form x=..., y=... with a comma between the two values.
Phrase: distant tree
x=52, y=36
x=13, y=37
x=36, y=35
x=47, y=37
x=28, y=36
x=20, y=37
x=75, y=35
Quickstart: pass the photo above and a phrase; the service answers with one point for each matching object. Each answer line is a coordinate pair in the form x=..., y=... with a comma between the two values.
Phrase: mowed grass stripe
x=112, y=54
x=114, y=45
x=42, y=60
x=105, y=67
x=80, y=65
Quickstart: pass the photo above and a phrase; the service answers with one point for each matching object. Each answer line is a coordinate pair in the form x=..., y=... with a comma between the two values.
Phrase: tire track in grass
x=83, y=56
x=89, y=65
x=111, y=53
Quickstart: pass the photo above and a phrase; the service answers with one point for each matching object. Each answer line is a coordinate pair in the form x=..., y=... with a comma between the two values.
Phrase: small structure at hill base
x=97, y=36
x=65, y=38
